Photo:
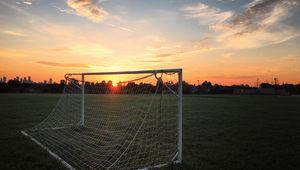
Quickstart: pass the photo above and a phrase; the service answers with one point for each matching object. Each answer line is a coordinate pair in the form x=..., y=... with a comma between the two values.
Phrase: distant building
x=29, y=79
x=17, y=78
x=1, y=81
x=45, y=81
x=50, y=81
x=4, y=79
x=62, y=82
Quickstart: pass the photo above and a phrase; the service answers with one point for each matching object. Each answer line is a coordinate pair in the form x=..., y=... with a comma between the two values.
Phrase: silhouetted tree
x=207, y=84
x=265, y=85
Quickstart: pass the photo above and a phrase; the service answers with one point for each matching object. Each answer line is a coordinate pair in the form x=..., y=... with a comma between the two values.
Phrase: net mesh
x=129, y=122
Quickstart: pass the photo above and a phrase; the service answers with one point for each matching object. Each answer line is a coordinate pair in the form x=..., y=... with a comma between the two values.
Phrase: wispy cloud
x=204, y=44
x=166, y=51
x=206, y=15
x=13, y=33
x=126, y=29
x=65, y=65
x=27, y=2
x=259, y=15
x=162, y=58
x=158, y=61
x=83, y=50
x=67, y=11
x=162, y=46
x=89, y=9
x=164, y=55
x=15, y=53
x=259, y=24
x=123, y=28
x=18, y=9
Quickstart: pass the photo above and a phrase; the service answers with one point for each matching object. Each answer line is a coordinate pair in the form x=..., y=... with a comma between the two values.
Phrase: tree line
x=15, y=86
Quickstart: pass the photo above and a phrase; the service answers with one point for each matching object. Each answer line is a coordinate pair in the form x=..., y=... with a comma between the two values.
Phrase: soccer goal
x=115, y=120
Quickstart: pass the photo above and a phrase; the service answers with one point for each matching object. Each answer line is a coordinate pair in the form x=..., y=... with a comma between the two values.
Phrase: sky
x=223, y=41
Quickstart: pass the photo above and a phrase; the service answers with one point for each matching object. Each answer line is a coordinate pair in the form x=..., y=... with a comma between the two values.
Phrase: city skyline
x=26, y=79
x=224, y=41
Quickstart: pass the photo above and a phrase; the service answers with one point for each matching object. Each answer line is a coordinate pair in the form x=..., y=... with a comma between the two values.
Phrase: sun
x=114, y=84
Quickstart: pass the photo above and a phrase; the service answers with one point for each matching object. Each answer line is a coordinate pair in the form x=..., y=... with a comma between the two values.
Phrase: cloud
x=89, y=9
x=258, y=15
x=67, y=11
x=206, y=15
x=259, y=24
x=123, y=28
x=162, y=58
x=54, y=64
x=91, y=49
x=27, y=2
x=126, y=29
x=162, y=46
x=204, y=44
x=83, y=50
x=257, y=39
x=164, y=55
x=165, y=51
x=13, y=33
x=15, y=53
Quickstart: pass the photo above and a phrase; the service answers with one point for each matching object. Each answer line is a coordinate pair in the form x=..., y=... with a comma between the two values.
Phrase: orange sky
x=46, y=39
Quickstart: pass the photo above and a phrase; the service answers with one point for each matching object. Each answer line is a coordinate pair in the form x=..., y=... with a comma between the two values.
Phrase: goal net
x=115, y=120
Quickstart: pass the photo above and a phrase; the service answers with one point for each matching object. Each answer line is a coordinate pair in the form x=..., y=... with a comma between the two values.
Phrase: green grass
x=220, y=132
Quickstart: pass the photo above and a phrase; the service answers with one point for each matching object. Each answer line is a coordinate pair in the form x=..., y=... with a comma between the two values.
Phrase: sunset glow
x=223, y=41
x=115, y=84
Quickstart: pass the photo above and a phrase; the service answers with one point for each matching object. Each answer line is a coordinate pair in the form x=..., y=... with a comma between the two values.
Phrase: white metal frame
x=177, y=158
x=82, y=100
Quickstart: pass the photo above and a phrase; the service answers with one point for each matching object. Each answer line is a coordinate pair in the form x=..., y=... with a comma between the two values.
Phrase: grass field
x=220, y=132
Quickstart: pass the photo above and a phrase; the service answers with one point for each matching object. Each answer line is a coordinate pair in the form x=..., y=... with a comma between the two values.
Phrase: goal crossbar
x=129, y=72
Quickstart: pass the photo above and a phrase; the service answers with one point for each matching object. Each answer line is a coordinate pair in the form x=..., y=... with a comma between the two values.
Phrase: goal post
x=82, y=99
x=115, y=120
x=179, y=159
